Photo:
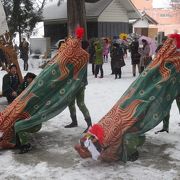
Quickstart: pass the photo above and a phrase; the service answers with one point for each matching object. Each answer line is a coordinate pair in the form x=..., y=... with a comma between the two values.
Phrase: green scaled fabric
x=48, y=95
x=143, y=106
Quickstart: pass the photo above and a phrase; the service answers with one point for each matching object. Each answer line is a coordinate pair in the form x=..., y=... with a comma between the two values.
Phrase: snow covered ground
x=53, y=155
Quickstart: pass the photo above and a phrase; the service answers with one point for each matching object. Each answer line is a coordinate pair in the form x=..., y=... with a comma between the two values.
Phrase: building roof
x=148, y=18
x=53, y=12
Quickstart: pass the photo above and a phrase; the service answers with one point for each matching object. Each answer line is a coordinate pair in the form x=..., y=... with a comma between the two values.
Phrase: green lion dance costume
x=143, y=106
x=48, y=95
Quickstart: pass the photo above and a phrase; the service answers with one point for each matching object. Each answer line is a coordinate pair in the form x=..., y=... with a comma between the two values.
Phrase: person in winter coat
x=145, y=57
x=105, y=50
x=24, y=51
x=135, y=56
x=10, y=84
x=117, y=57
x=27, y=80
x=92, y=55
x=99, y=59
x=160, y=46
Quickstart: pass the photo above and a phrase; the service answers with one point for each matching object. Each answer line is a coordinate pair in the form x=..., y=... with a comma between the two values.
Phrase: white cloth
x=3, y=23
x=92, y=149
x=1, y=134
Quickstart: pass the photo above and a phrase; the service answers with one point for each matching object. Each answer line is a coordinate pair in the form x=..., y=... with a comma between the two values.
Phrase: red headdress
x=79, y=32
x=177, y=37
x=97, y=131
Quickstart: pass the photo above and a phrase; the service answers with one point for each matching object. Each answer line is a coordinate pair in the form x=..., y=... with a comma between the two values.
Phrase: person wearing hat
x=10, y=84
x=98, y=59
x=27, y=80
x=24, y=50
x=145, y=55
x=117, y=57
x=135, y=56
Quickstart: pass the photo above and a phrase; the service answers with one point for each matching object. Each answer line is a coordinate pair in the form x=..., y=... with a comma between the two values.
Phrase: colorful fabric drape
x=142, y=107
x=48, y=95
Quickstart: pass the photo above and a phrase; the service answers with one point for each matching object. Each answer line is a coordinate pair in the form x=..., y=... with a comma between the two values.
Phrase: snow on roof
x=148, y=18
x=93, y=10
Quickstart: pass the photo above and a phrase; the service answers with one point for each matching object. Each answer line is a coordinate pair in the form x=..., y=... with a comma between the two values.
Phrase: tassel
x=97, y=131
x=177, y=37
x=79, y=32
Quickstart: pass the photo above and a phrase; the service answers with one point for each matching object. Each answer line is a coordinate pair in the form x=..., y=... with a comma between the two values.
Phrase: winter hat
x=12, y=65
x=30, y=75
x=116, y=44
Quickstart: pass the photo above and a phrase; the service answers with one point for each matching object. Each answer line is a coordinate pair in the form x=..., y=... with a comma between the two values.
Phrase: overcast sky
x=161, y=3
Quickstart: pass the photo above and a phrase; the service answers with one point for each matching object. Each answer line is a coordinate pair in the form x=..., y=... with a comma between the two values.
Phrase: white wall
x=42, y=45
x=141, y=24
x=115, y=12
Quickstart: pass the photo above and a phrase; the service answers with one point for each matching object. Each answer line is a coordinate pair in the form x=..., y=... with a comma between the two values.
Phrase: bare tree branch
x=42, y=6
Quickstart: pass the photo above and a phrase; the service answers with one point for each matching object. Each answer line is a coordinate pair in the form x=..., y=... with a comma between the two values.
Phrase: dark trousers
x=117, y=72
x=141, y=69
x=166, y=119
x=134, y=69
x=10, y=98
x=112, y=66
x=99, y=67
x=93, y=68
x=25, y=64
x=80, y=102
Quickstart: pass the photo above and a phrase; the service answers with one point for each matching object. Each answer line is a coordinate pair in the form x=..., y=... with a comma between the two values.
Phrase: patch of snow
x=53, y=155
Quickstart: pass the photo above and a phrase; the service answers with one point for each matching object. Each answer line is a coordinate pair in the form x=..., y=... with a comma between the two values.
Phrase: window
x=166, y=15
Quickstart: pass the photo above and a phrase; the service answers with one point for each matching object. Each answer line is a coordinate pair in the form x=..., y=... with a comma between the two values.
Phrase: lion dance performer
x=144, y=105
x=48, y=95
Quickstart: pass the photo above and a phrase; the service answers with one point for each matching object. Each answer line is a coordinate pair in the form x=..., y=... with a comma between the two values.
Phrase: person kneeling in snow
x=10, y=84
x=29, y=77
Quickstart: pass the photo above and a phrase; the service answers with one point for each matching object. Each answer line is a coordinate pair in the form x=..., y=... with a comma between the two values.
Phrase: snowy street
x=53, y=155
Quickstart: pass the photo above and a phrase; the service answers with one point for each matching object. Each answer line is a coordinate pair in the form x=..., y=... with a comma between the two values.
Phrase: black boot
x=133, y=157
x=26, y=67
x=18, y=143
x=25, y=148
x=73, y=124
x=162, y=130
x=89, y=124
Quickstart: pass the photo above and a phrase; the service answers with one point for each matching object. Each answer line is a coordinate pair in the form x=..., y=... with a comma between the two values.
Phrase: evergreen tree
x=22, y=15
